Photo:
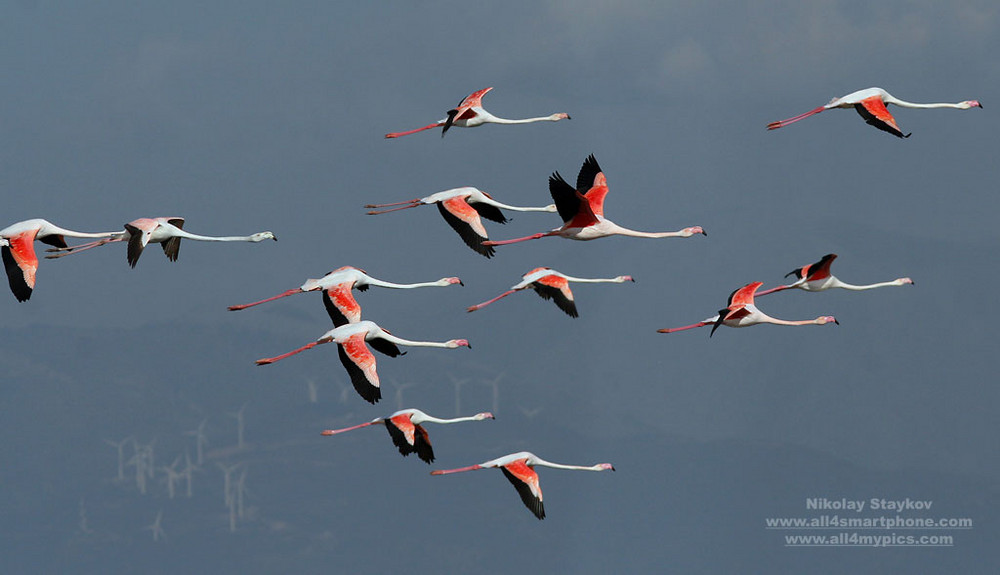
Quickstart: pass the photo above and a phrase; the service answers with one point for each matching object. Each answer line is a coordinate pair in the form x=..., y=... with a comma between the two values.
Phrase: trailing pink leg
x=281, y=295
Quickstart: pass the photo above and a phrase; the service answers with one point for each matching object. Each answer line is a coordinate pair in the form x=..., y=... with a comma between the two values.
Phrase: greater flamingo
x=406, y=432
x=167, y=232
x=336, y=287
x=582, y=210
x=741, y=312
x=518, y=468
x=358, y=359
x=817, y=277
x=871, y=105
x=553, y=285
x=470, y=113
x=463, y=209
x=17, y=244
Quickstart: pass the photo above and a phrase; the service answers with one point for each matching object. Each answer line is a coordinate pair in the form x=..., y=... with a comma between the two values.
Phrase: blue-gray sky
x=242, y=117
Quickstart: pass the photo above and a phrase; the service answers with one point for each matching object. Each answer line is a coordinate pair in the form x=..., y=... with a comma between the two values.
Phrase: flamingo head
x=688, y=232
x=450, y=281
x=454, y=343
x=551, y=208
x=482, y=416
x=560, y=116
x=904, y=281
x=824, y=319
x=970, y=104
x=261, y=236
x=622, y=279
x=604, y=467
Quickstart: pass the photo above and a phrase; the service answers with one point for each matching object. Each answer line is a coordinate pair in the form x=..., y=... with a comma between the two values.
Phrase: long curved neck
x=905, y=104
x=837, y=283
x=637, y=234
x=432, y=419
x=400, y=341
x=379, y=283
x=186, y=235
x=488, y=117
x=764, y=318
x=542, y=462
x=549, y=208
x=595, y=280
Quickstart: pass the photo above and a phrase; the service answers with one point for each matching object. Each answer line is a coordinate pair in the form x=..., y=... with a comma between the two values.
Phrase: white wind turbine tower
x=120, y=446
x=313, y=390
x=189, y=469
x=200, y=440
x=172, y=475
x=156, y=528
x=399, y=391
x=228, y=470
x=239, y=425
x=496, y=392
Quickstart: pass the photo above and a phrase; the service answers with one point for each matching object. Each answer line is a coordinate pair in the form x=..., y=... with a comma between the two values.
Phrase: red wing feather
x=360, y=364
x=341, y=305
x=875, y=113
x=525, y=480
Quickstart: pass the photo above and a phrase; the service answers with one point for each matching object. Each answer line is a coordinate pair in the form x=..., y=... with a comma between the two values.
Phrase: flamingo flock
x=581, y=210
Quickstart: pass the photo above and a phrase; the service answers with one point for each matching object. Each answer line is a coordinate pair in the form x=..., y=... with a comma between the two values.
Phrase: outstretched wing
x=557, y=289
x=360, y=364
x=525, y=480
x=341, y=305
x=875, y=113
x=465, y=220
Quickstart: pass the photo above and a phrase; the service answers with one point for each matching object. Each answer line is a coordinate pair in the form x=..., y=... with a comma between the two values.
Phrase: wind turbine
x=200, y=440
x=156, y=528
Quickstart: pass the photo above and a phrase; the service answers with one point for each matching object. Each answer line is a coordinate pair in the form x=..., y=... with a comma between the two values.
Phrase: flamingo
x=582, y=210
x=406, y=432
x=553, y=285
x=165, y=231
x=470, y=113
x=741, y=312
x=817, y=277
x=358, y=359
x=871, y=105
x=336, y=287
x=463, y=209
x=518, y=468
x=17, y=244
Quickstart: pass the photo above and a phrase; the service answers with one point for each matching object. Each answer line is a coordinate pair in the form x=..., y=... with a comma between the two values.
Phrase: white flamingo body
x=582, y=210
x=17, y=244
x=407, y=433
x=871, y=104
x=166, y=231
x=741, y=312
x=816, y=277
x=463, y=208
x=336, y=287
x=518, y=468
x=470, y=113
x=550, y=284
x=357, y=359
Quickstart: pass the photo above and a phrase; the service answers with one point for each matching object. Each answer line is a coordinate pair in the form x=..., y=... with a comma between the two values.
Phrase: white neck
x=400, y=341
x=905, y=104
x=539, y=461
x=182, y=234
x=837, y=283
x=488, y=117
x=432, y=419
x=616, y=280
x=379, y=283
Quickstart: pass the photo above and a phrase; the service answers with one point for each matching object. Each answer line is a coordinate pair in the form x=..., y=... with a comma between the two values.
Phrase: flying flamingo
x=164, y=231
x=817, y=277
x=358, y=359
x=406, y=432
x=582, y=210
x=463, y=209
x=470, y=113
x=553, y=285
x=17, y=244
x=871, y=105
x=336, y=287
x=741, y=312
x=517, y=467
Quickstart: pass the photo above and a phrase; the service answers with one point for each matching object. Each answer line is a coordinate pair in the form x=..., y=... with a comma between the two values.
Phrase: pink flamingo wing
x=360, y=364
x=21, y=263
x=819, y=270
x=744, y=295
x=341, y=305
x=525, y=480
x=465, y=220
x=875, y=113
